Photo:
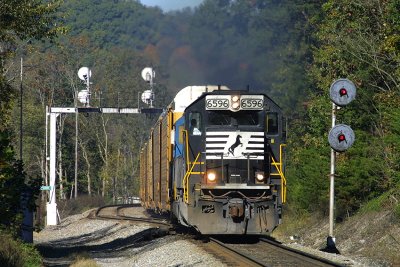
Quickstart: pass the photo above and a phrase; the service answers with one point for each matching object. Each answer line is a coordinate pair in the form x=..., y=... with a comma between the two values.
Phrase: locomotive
x=215, y=161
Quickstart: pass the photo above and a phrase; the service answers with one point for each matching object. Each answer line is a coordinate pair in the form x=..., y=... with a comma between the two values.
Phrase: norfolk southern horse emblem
x=235, y=145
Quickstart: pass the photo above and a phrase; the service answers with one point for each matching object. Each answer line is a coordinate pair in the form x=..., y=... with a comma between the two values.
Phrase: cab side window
x=271, y=123
x=195, y=123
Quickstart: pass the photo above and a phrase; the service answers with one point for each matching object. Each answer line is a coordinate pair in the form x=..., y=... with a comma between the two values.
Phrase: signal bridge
x=54, y=112
x=84, y=74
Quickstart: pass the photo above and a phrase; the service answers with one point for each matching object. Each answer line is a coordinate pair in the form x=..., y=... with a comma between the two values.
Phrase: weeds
x=16, y=253
x=83, y=260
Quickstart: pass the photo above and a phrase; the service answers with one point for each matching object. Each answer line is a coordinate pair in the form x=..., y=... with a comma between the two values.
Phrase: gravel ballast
x=91, y=234
x=112, y=243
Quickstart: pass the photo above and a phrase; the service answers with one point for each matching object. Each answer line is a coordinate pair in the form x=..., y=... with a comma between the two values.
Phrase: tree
x=357, y=40
x=20, y=20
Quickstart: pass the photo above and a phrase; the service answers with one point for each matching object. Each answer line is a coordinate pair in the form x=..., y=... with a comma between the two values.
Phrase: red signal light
x=343, y=92
x=341, y=137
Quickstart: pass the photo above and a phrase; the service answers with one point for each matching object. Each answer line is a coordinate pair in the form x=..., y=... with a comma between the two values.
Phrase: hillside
x=372, y=238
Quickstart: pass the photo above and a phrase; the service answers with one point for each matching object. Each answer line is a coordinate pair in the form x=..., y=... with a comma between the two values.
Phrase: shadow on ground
x=64, y=251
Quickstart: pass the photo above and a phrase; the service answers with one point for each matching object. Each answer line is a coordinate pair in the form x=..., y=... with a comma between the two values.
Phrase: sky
x=168, y=5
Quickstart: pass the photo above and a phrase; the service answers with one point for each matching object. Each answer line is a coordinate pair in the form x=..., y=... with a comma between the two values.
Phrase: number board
x=219, y=102
x=224, y=102
x=254, y=102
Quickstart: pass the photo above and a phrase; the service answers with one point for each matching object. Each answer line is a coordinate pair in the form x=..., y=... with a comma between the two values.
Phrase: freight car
x=215, y=161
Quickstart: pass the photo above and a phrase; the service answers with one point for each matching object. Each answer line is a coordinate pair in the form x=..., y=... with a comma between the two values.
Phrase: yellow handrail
x=278, y=166
x=185, y=181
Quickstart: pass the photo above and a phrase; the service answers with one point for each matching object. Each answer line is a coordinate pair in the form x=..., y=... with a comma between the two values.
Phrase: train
x=215, y=161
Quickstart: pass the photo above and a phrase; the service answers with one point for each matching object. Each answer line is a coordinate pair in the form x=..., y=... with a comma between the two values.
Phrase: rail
x=295, y=257
x=114, y=212
x=231, y=256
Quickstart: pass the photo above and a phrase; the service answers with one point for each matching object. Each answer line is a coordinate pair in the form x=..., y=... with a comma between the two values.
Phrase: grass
x=397, y=212
x=389, y=200
x=16, y=253
x=293, y=222
x=83, y=260
x=84, y=263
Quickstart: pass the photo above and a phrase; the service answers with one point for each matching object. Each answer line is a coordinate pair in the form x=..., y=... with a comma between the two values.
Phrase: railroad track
x=263, y=253
x=116, y=212
x=286, y=256
x=229, y=255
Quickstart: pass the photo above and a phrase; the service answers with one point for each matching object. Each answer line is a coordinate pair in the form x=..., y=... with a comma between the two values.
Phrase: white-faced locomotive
x=215, y=161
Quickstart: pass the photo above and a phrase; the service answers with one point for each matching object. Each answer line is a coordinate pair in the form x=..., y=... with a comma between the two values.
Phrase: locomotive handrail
x=187, y=148
x=278, y=166
x=189, y=168
x=185, y=181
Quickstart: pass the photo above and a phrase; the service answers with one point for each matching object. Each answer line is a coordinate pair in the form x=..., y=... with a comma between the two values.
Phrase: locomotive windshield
x=226, y=117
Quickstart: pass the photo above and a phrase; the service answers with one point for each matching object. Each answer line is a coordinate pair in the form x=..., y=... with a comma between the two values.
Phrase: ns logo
x=238, y=142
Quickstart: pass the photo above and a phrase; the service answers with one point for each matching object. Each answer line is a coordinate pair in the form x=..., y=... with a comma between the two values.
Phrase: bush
x=16, y=253
x=79, y=205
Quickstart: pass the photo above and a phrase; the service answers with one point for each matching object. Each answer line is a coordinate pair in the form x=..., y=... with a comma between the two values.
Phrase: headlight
x=235, y=98
x=211, y=177
x=235, y=102
x=235, y=105
x=260, y=176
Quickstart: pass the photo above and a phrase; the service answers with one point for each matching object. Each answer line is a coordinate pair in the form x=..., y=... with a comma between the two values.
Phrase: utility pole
x=20, y=117
x=76, y=151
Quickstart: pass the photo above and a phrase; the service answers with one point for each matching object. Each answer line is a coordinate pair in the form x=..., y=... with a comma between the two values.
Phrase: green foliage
x=308, y=180
x=16, y=253
x=388, y=200
x=27, y=19
x=291, y=50
x=15, y=187
x=113, y=23
x=352, y=42
x=20, y=20
x=375, y=204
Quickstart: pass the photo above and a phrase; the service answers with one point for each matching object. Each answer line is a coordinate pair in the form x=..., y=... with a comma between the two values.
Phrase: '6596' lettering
x=217, y=103
x=251, y=103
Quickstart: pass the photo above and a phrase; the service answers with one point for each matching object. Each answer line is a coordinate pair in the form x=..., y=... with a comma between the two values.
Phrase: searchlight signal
x=148, y=96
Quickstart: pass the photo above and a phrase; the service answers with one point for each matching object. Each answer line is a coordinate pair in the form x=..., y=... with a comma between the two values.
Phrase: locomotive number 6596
x=216, y=103
x=250, y=103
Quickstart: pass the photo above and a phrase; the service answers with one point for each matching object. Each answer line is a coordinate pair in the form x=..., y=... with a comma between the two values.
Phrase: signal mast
x=341, y=137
